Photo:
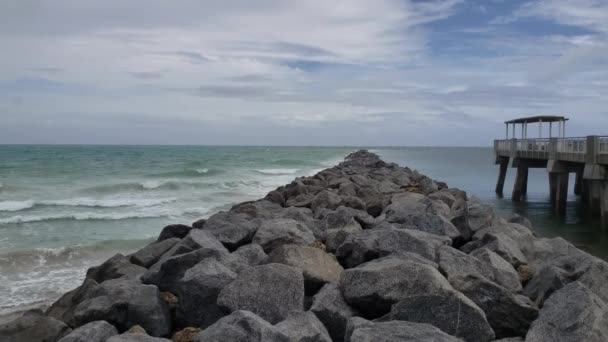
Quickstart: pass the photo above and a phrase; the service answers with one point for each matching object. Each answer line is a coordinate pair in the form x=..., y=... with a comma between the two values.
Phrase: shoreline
x=359, y=230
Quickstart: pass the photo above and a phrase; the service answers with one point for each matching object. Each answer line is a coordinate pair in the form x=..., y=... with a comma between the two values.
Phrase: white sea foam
x=16, y=205
x=108, y=202
x=153, y=184
x=151, y=213
x=86, y=202
x=202, y=171
x=275, y=172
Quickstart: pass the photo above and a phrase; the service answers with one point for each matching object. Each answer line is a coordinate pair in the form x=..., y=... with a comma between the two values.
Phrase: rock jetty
x=364, y=251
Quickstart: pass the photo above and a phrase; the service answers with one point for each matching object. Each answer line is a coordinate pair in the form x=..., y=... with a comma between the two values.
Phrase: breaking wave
x=85, y=202
x=277, y=172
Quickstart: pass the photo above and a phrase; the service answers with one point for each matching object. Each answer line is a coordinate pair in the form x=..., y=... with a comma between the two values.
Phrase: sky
x=298, y=72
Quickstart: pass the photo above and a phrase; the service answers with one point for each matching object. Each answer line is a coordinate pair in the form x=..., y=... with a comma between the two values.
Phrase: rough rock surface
x=270, y=291
x=317, y=266
x=331, y=309
x=573, y=313
x=509, y=314
x=241, y=326
x=450, y=311
x=303, y=327
x=33, y=326
x=276, y=232
x=361, y=330
x=375, y=286
x=98, y=331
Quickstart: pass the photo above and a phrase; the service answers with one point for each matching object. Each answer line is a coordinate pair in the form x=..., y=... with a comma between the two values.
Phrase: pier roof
x=543, y=118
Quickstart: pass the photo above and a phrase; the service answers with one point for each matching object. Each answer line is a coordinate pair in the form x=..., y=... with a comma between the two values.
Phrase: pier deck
x=587, y=157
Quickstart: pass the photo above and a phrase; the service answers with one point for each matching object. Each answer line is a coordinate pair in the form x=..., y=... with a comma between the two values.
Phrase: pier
x=586, y=157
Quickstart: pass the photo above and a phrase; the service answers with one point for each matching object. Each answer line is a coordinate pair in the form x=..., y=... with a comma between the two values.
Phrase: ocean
x=64, y=209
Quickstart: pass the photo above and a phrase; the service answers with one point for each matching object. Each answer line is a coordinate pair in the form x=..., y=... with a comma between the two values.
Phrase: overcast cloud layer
x=302, y=72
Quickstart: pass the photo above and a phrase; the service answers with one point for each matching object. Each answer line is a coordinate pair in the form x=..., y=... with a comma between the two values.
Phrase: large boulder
x=303, y=327
x=232, y=229
x=174, y=231
x=331, y=309
x=450, y=311
x=271, y=291
x=544, y=282
x=124, y=303
x=595, y=278
x=241, y=326
x=150, y=254
x=503, y=273
x=197, y=293
x=373, y=287
x=252, y=254
x=573, y=313
x=33, y=326
x=136, y=337
x=317, y=266
x=325, y=200
x=509, y=314
x=276, y=232
x=454, y=263
x=117, y=266
x=370, y=244
x=409, y=210
x=97, y=331
x=481, y=215
x=361, y=330
x=172, y=269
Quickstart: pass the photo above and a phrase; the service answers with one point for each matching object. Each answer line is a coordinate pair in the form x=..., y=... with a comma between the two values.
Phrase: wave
x=16, y=205
x=85, y=202
x=156, y=185
x=86, y=216
x=277, y=172
x=188, y=173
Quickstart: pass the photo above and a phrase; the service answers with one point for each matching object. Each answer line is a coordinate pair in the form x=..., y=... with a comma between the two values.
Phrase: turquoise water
x=65, y=208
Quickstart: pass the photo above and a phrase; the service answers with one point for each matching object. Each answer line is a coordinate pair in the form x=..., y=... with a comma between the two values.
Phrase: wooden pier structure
x=587, y=157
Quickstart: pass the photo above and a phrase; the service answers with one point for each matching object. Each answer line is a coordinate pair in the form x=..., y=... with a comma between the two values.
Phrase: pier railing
x=575, y=149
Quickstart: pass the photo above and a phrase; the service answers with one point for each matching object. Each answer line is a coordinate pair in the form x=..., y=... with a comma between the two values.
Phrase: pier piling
x=502, y=174
x=521, y=183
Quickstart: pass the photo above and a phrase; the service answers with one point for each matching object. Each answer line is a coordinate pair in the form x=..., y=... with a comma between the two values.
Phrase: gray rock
x=150, y=254
x=231, y=229
x=241, y=326
x=595, y=278
x=198, y=238
x=503, y=273
x=450, y=311
x=544, y=282
x=326, y=200
x=361, y=330
x=97, y=331
x=510, y=339
x=335, y=237
x=172, y=269
x=174, y=231
x=481, y=215
x=303, y=215
x=270, y=291
x=573, y=313
x=505, y=246
x=516, y=218
x=33, y=326
x=509, y=314
x=303, y=327
x=125, y=303
x=117, y=266
x=252, y=254
x=256, y=209
x=331, y=309
x=373, y=287
x=276, y=232
x=301, y=201
x=374, y=201
x=197, y=293
x=317, y=266
x=370, y=244
x=129, y=337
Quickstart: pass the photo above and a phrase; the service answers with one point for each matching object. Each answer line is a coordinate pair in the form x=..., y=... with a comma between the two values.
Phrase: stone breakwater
x=363, y=251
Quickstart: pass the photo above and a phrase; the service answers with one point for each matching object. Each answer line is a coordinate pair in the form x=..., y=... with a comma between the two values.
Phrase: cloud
x=385, y=70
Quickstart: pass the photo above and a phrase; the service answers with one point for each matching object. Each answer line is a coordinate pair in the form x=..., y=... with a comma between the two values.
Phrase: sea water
x=66, y=208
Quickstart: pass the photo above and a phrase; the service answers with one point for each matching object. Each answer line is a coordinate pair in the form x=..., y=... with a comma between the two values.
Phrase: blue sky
x=304, y=72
